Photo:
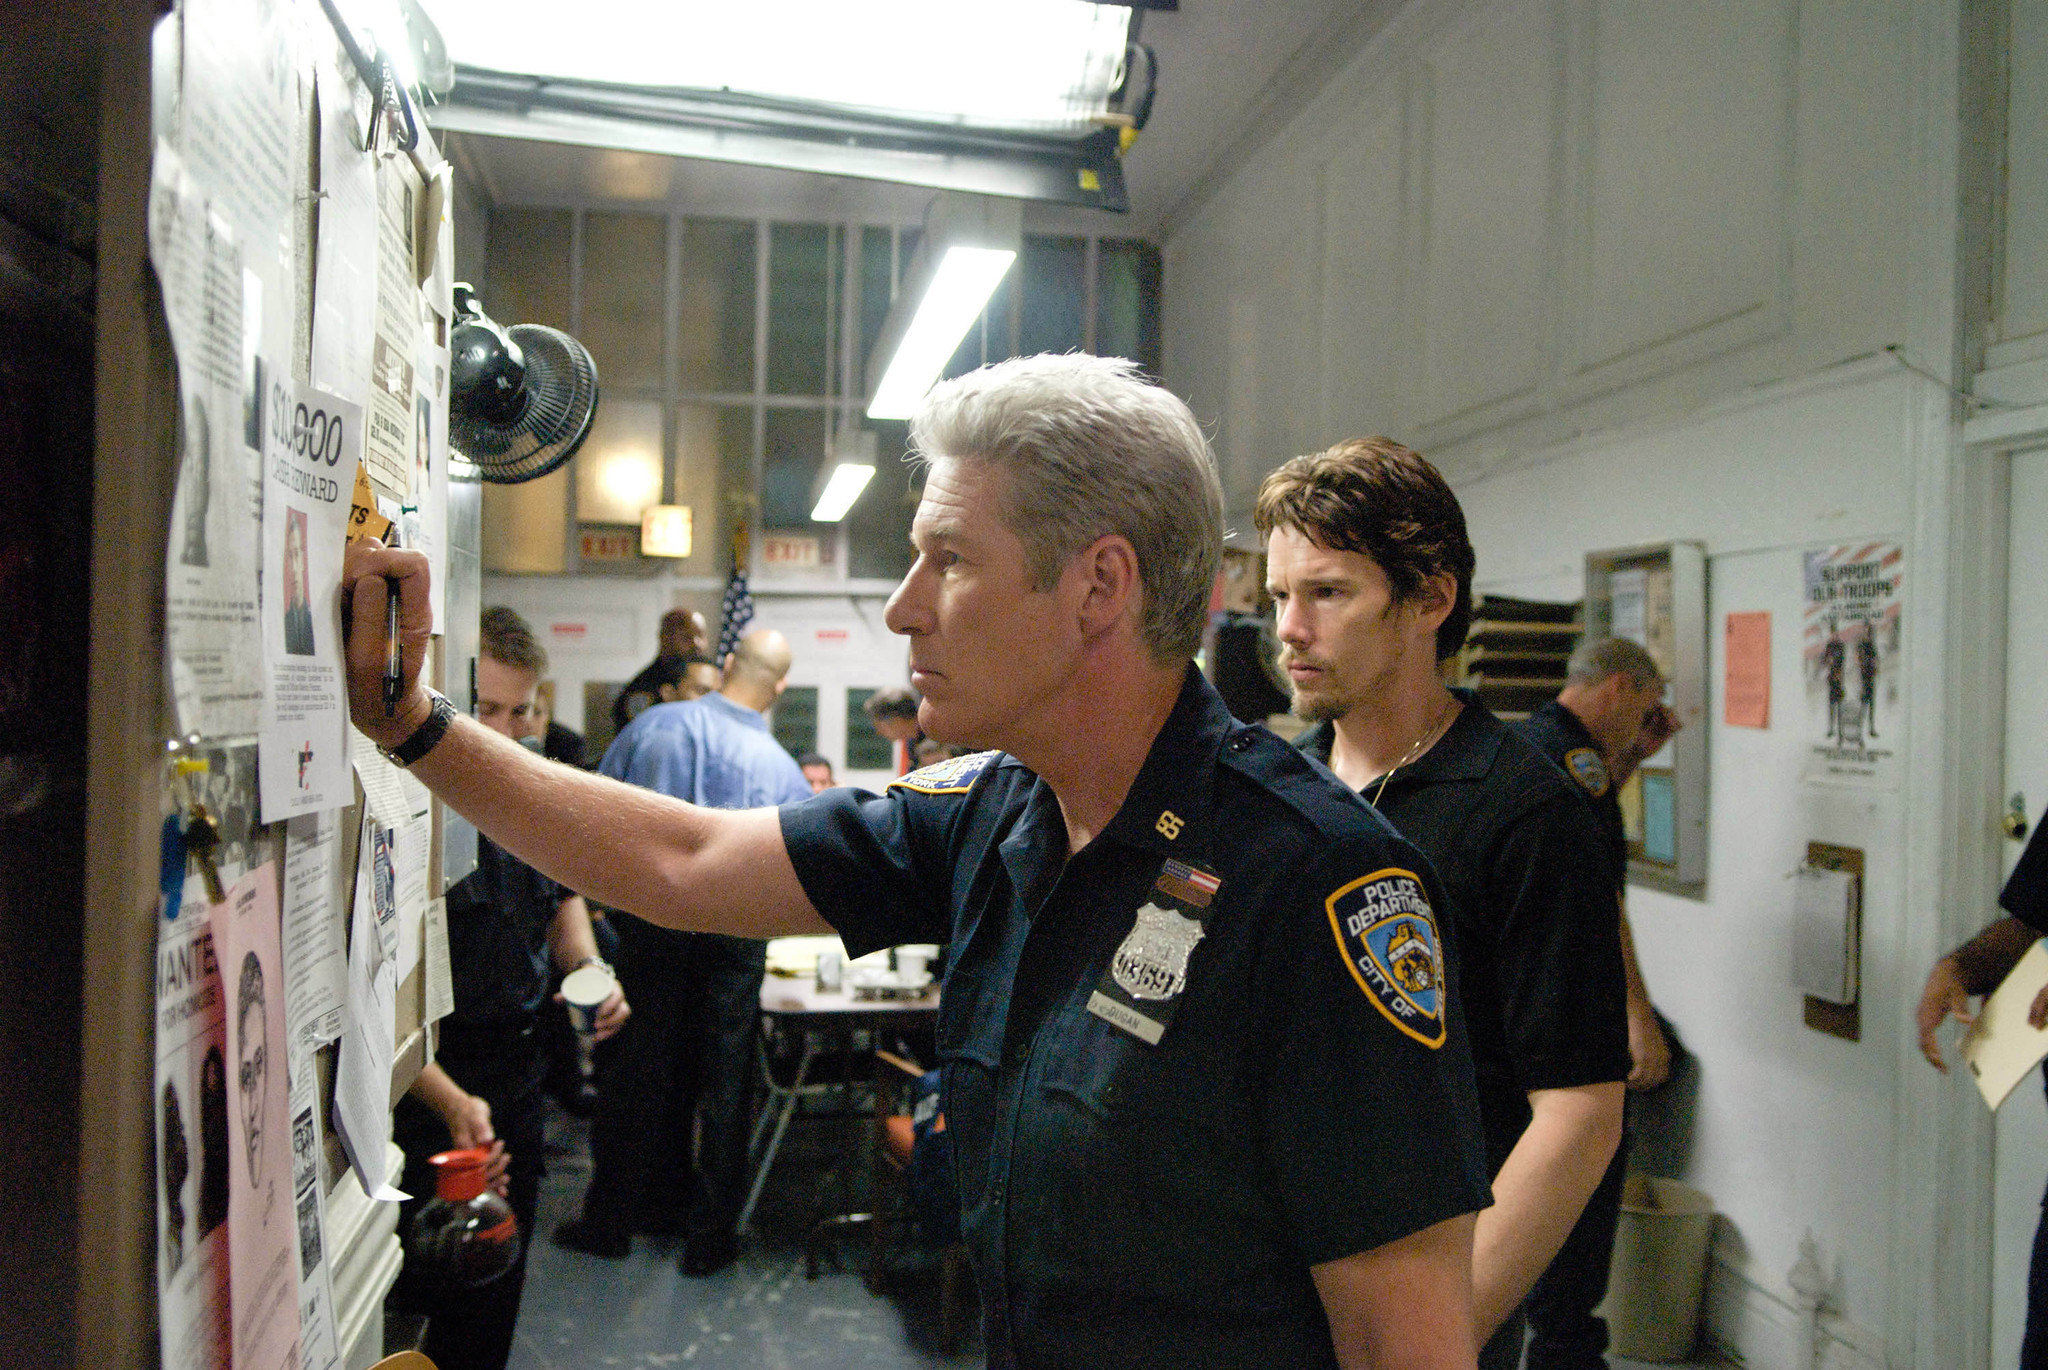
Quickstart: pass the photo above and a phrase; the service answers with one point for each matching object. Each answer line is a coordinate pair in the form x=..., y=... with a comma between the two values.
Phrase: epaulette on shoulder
x=1302, y=783
x=956, y=775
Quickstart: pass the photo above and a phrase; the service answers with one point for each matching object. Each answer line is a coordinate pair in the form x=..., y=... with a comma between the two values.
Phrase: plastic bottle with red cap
x=466, y=1235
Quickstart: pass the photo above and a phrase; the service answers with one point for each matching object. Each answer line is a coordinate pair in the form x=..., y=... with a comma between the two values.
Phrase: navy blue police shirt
x=1529, y=894
x=1218, y=1045
x=498, y=919
x=2025, y=895
x=1563, y=737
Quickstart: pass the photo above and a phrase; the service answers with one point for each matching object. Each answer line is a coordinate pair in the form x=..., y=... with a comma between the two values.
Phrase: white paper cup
x=586, y=989
x=913, y=964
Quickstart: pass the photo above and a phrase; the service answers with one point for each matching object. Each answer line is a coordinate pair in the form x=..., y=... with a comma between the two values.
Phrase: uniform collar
x=1167, y=807
x=1466, y=751
x=1563, y=719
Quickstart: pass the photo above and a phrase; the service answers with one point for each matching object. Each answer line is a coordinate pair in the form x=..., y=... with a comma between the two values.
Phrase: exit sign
x=609, y=544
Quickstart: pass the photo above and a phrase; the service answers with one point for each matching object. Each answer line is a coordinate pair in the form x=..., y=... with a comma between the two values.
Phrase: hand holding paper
x=2010, y=1034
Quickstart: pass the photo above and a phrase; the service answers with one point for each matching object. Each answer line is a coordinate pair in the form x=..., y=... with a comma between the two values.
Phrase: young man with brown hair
x=1370, y=570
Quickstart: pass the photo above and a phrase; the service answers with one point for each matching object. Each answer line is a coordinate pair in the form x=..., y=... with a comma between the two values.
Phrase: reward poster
x=311, y=444
x=1855, y=686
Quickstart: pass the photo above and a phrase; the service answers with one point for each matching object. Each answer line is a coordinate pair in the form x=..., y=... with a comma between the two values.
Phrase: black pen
x=394, y=655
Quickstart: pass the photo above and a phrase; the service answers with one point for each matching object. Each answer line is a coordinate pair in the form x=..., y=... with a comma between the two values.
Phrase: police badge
x=1142, y=986
x=1153, y=961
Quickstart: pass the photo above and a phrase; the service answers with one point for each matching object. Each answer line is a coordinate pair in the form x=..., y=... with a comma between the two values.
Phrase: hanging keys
x=202, y=838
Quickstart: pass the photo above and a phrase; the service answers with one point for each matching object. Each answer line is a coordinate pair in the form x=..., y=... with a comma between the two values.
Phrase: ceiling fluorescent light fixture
x=968, y=246
x=1047, y=65
x=848, y=479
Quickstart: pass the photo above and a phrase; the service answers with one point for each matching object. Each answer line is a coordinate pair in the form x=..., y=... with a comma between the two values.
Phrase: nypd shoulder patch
x=1388, y=936
x=953, y=776
x=1589, y=768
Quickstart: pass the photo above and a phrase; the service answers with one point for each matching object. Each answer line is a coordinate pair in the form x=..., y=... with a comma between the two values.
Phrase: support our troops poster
x=1855, y=680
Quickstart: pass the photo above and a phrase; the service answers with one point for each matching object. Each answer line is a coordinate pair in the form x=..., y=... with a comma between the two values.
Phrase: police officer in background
x=1978, y=967
x=1370, y=569
x=1207, y=1082
x=1607, y=720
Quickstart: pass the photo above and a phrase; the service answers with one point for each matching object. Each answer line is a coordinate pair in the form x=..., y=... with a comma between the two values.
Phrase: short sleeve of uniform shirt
x=1344, y=1155
x=2025, y=896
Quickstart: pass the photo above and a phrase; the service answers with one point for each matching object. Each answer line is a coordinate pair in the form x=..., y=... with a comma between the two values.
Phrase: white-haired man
x=1206, y=1080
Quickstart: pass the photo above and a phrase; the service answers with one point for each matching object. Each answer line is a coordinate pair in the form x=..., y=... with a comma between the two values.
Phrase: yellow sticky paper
x=363, y=519
x=2001, y=1048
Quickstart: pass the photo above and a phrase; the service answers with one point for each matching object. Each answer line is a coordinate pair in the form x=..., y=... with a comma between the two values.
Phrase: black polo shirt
x=1530, y=894
x=1137, y=1203
x=498, y=918
x=2025, y=895
x=1560, y=735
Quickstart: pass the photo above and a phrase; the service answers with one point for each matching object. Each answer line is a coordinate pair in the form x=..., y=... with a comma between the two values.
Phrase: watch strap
x=427, y=736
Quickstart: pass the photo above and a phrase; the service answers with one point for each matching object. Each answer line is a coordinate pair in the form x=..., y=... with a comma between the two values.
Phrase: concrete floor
x=581, y=1312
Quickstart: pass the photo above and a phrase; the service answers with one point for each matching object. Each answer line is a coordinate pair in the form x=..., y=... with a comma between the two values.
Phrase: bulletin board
x=1656, y=596
x=300, y=242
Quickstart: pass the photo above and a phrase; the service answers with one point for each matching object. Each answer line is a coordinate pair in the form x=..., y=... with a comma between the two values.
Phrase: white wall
x=1507, y=223
x=604, y=628
x=1628, y=273
x=1794, y=1128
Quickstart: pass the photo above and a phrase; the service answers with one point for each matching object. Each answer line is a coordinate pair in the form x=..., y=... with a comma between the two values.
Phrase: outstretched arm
x=669, y=862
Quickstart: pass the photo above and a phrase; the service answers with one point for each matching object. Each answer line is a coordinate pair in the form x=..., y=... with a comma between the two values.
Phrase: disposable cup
x=586, y=989
x=912, y=964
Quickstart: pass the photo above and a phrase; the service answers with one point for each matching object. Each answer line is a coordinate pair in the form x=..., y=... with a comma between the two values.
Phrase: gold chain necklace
x=1409, y=755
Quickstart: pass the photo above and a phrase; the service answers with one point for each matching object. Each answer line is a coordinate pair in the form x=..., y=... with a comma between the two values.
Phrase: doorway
x=2020, y=1149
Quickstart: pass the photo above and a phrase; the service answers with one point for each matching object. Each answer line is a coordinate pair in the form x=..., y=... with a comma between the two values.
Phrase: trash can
x=1659, y=1271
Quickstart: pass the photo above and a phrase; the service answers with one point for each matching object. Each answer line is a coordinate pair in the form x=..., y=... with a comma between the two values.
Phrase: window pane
x=735, y=478
x=714, y=452
x=1127, y=302
x=798, y=267
x=876, y=283
x=1052, y=277
x=715, y=336
x=619, y=467
x=866, y=749
x=789, y=463
x=795, y=720
x=878, y=526
x=625, y=258
x=529, y=277
x=526, y=526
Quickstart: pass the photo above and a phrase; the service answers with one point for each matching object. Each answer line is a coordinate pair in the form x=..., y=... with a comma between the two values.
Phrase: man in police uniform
x=1609, y=717
x=1205, y=1073
x=1978, y=967
x=506, y=923
x=1371, y=570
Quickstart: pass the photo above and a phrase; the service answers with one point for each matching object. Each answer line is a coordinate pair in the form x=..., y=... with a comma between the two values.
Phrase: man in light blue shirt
x=702, y=991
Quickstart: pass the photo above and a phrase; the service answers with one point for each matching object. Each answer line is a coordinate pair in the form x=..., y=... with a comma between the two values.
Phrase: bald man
x=698, y=993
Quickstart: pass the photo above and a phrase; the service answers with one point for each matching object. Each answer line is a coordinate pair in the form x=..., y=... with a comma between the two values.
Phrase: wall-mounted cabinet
x=1657, y=596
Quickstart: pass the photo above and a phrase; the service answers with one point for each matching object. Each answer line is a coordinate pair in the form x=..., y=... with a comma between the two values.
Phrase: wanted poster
x=1855, y=678
x=263, y=1236
x=211, y=634
x=191, y=1104
x=312, y=442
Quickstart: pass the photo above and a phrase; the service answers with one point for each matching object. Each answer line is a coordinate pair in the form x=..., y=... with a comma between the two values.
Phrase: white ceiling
x=1230, y=73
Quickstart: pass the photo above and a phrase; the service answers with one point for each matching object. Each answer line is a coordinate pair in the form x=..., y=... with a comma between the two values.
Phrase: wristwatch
x=425, y=737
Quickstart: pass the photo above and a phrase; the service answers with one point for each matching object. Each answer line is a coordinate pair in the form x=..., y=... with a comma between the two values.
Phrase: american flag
x=736, y=612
